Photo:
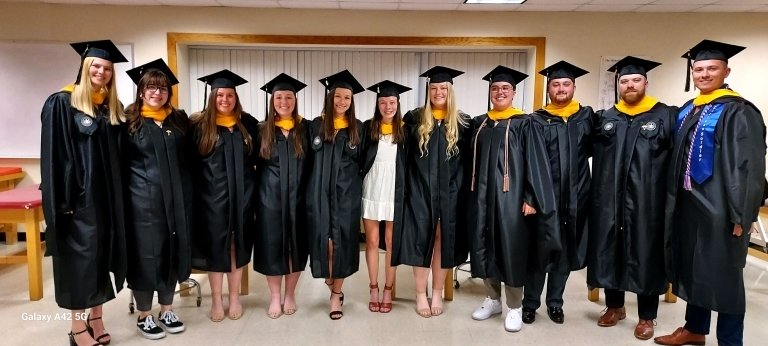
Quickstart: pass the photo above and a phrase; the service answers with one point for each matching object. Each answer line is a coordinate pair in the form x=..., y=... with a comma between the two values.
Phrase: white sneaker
x=514, y=320
x=489, y=308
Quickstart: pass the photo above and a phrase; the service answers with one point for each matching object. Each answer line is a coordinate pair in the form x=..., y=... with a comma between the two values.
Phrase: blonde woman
x=433, y=233
x=82, y=191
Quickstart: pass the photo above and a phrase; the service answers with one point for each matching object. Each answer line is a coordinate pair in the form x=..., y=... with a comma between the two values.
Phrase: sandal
x=437, y=310
x=386, y=307
x=374, y=306
x=336, y=314
x=217, y=318
x=330, y=288
x=90, y=331
x=72, y=334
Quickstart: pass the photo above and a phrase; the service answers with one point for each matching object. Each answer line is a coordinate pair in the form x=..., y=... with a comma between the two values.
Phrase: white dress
x=379, y=183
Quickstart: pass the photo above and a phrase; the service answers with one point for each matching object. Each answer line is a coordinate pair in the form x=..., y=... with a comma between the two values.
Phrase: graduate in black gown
x=632, y=144
x=509, y=180
x=158, y=192
x=384, y=145
x=335, y=187
x=82, y=190
x=715, y=191
x=566, y=127
x=433, y=236
x=280, y=244
x=223, y=169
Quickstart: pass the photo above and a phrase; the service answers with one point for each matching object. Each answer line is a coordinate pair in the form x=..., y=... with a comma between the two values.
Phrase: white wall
x=580, y=38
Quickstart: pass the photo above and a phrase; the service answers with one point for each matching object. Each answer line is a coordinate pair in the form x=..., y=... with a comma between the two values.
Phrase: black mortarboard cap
x=708, y=50
x=223, y=79
x=633, y=65
x=103, y=49
x=440, y=74
x=343, y=79
x=505, y=74
x=137, y=72
x=283, y=82
x=563, y=69
x=388, y=88
x=630, y=65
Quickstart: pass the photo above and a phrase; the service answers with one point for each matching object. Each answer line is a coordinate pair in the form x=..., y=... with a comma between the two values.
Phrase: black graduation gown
x=158, y=191
x=569, y=146
x=370, y=149
x=281, y=229
x=435, y=190
x=704, y=260
x=333, y=202
x=82, y=203
x=630, y=165
x=225, y=183
x=499, y=234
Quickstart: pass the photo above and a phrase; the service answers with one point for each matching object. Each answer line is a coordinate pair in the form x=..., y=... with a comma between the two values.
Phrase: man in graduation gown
x=566, y=127
x=715, y=190
x=509, y=180
x=633, y=141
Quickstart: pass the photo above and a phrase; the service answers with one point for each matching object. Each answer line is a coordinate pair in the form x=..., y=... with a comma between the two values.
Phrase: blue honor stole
x=701, y=152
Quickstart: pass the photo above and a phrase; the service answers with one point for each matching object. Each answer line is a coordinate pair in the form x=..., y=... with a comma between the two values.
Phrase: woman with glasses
x=158, y=194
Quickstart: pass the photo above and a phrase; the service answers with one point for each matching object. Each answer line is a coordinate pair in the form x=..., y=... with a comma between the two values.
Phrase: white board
x=30, y=72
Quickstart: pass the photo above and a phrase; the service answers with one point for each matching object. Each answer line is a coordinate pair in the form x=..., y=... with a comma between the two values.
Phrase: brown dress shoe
x=681, y=336
x=644, y=329
x=611, y=317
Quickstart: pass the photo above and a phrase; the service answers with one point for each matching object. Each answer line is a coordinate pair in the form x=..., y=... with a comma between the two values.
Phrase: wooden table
x=25, y=205
x=8, y=178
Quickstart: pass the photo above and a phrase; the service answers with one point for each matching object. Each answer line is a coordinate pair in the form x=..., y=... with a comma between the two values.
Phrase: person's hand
x=528, y=210
x=737, y=231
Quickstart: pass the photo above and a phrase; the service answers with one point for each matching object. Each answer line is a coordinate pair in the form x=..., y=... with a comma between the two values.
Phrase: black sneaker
x=149, y=329
x=171, y=322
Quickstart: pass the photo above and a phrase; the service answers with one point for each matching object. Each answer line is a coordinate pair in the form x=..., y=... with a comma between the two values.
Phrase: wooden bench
x=25, y=205
x=8, y=178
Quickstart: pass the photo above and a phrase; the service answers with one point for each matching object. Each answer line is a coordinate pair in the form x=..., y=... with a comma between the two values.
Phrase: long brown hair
x=133, y=111
x=267, y=130
x=398, y=135
x=327, y=131
x=206, y=120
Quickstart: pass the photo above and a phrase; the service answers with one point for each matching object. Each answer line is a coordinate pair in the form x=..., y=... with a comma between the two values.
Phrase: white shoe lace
x=169, y=317
x=488, y=303
x=149, y=323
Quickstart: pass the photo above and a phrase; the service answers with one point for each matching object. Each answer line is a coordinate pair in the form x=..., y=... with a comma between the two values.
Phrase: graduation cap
x=103, y=49
x=282, y=82
x=503, y=74
x=343, y=79
x=440, y=74
x=388, y=88
x=137, y=72
x=708, y=50
x=222, y=79
x=562, y=69
x=630, y=65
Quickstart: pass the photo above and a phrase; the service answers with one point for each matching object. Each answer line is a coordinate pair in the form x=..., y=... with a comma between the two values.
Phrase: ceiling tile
x=309, y=4
x=761, y=9
x=685, y=2
x=607, y=8
x=353, y=5
x=620, y=2
x=135, y=2
x=667, y=8
x=208, y=3
x=489, y=7
x=71, y=2
x=727, y=8
x=547, y=8
x=424, y=6
x=250, y=3
x=555, y=2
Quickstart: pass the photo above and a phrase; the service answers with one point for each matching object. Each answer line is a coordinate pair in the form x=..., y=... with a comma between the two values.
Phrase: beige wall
x=580, y=38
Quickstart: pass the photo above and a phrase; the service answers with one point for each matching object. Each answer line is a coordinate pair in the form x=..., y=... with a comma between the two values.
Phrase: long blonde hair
x=81, y=95
x=452, y=122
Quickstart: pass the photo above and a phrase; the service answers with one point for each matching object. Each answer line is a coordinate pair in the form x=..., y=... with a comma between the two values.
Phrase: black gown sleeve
x=57, y=167
x=743, y=162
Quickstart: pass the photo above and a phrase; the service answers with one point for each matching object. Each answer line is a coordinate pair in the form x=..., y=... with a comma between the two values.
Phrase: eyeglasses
x=505, y=89
x=154, y=88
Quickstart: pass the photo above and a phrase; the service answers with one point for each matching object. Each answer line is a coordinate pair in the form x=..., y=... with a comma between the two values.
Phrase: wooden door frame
x=538, y=43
